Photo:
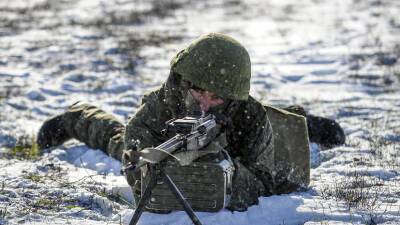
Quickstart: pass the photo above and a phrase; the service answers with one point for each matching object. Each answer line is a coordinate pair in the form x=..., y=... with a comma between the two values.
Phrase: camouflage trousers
x=96, y=128
x=101, y=130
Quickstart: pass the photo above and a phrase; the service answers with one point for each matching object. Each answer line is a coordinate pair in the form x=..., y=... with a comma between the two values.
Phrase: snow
x=338, y=59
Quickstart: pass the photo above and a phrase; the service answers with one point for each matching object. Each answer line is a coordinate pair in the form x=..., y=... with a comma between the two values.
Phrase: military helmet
x=216, y=63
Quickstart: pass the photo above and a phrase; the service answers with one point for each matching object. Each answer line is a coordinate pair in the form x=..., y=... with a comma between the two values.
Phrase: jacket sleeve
x=157, y=107
x=254, y=142
x=146, y=125
x=259, y=152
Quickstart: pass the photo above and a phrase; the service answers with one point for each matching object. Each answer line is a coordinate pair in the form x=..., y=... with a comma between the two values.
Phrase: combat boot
x=325, y=132
x=52, y=133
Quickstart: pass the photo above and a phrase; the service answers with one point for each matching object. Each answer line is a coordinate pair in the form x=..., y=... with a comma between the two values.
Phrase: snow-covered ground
x=337, y=58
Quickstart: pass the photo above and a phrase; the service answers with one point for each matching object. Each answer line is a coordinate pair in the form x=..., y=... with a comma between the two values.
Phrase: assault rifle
x=191, y=135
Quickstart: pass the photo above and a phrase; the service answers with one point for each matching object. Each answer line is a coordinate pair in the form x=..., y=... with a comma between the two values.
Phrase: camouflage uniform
x=265, y=162
x=246, y=124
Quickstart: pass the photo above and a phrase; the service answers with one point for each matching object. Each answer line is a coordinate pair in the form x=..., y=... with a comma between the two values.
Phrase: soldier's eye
x=195, y=88
x=216, y=97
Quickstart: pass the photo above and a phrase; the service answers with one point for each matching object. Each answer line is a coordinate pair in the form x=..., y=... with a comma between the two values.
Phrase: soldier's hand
x=130, y=160
x=131, y=156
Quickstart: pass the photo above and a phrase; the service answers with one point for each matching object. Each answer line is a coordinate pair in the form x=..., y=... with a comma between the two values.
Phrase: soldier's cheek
x=216, y=102
x=204, y=107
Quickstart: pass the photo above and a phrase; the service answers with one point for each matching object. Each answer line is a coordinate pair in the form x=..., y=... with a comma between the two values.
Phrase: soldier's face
x=206, y=99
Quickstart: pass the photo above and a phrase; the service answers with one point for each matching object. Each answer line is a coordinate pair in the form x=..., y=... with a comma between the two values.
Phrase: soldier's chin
x=204, y=108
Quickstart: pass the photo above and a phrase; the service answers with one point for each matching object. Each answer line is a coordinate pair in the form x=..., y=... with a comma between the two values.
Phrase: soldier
x=212, y=75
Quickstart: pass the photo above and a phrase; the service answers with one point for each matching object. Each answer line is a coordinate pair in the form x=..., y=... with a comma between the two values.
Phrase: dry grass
x=356, y=190
x=26, y=148
x=367, y=196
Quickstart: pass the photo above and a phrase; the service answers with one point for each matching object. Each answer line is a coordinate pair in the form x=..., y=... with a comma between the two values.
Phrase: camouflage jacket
x=246, y=124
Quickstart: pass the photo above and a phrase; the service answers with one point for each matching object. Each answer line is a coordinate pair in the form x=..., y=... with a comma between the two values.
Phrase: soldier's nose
x=205, y=99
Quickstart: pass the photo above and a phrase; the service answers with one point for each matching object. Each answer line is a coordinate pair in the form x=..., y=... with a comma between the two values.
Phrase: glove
x=130, y=156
